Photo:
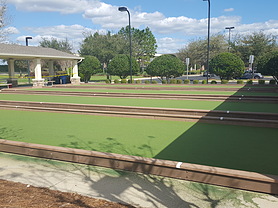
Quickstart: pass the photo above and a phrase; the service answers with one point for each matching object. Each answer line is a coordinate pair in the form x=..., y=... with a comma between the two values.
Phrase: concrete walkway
x=130, y=188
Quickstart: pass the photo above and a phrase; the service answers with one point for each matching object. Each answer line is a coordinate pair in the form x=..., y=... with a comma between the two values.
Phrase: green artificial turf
x=236, y=147
x=140, y=91
x=183, y=104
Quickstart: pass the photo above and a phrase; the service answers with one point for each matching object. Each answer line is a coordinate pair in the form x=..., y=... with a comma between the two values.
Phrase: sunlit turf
x=160, y=103
x=244, y=148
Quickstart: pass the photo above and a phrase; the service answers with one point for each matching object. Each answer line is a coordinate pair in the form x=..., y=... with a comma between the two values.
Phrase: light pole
x=124, y=9
x=28, y=64
x=229, y=28
x=208, y=39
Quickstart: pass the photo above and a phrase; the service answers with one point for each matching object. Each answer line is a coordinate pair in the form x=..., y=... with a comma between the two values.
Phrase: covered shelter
x=12, y=52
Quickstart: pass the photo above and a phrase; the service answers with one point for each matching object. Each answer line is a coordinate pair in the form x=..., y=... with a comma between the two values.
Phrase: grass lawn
x=183, y=104
x=244, y=148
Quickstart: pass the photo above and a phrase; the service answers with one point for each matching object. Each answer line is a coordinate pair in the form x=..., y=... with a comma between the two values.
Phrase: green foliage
x=186, y=81
x=195, y=81
x=179, y=81
x=120, y=66
x=89, y=66
x=272, y=82
x=223, y=81
x=154, y=82
x=240, y=82
x=204, y=81
x=166, y=66
x=138, y=81
x=63, y=45
x=147, y=82
x=261, y=81
x=164, y=81
x=227, y=66
x=123, y=81
x=116, y=81
x=130, y=82
x=250, y=81
x=173, y=81
x=213, y=82
x=107, y=81
x=268, y=64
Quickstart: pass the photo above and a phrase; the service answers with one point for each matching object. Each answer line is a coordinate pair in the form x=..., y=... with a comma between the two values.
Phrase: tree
x=227, y=66
x=89, y=66
x=268, y=65
x=4, y=21
x=120, y=66
x=196, y=50
x=257, y=44
x=166, y=66
x=143, y=43
x=62, y=45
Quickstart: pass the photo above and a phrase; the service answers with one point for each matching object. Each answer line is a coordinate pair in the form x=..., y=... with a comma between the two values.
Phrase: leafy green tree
x=120, y=66
x=89, y=66
x=167, y=66
x=227, y=66
x=62, y=45
x=268, y=64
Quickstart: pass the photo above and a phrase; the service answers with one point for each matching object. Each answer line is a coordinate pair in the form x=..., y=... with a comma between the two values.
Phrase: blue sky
x=174, y=23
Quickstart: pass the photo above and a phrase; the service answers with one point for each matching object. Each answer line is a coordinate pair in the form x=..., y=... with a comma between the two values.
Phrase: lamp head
x=122, y=9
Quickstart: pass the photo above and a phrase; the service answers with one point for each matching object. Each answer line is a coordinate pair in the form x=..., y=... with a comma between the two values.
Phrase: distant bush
x=195, y=81
x=116, y=81
x=123, y=81
x=186, y=81
x=272, y=82
x=164, y=81
x=261, y=81
x=173, y=81
x=240, y=82
x=130, y=82
x=154, y=82
x=204, y=81
x=213, y=82
x=147, y=82
x=107, y=81
x=223, y=81
x=138, y=81
x=250, y=81
x=179, y=81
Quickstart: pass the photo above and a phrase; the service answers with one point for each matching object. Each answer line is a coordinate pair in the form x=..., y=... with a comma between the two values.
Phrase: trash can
x=63, y=79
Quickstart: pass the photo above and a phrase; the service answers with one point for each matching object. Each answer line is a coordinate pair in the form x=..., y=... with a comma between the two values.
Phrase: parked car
x=249, y=75
x=206, y=74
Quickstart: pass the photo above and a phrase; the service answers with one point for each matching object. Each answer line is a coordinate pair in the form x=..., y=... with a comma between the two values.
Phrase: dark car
x=206, y=74
x=249, y=75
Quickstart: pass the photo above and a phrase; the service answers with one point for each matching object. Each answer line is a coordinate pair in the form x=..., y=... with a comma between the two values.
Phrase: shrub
x=250, y=81
x=130, y=81
x=123, y=81
x=147, y=82
x=116, y=81
x=138, y=81
x=164, y=81
x=240, y=82
x=261, y=81
x=213, y=82
x=173, y=81
x=223, y=81
x=154, y=82
x=108, y=81
x=204, y=81
x=179, y=81
x=186, y=81
x=195, y=81
x=272, y=82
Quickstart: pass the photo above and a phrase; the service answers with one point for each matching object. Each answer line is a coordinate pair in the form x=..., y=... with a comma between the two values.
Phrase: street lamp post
x=208, y=49
x=229, y=28
x=124, y=9
x=28, y=64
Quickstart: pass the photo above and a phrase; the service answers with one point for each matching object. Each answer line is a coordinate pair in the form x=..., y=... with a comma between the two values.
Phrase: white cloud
x=229, y=10
x=169, y=45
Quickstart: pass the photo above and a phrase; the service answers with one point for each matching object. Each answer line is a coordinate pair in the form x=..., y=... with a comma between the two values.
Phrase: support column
x=75, y=79
x=12, y=78
x=51, y=68
x=38, y=81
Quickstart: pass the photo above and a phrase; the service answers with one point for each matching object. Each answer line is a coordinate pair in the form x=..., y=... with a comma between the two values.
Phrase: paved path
x=125, y=187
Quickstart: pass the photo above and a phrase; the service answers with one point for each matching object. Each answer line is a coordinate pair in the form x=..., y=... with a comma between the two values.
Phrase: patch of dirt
x=18, y=195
